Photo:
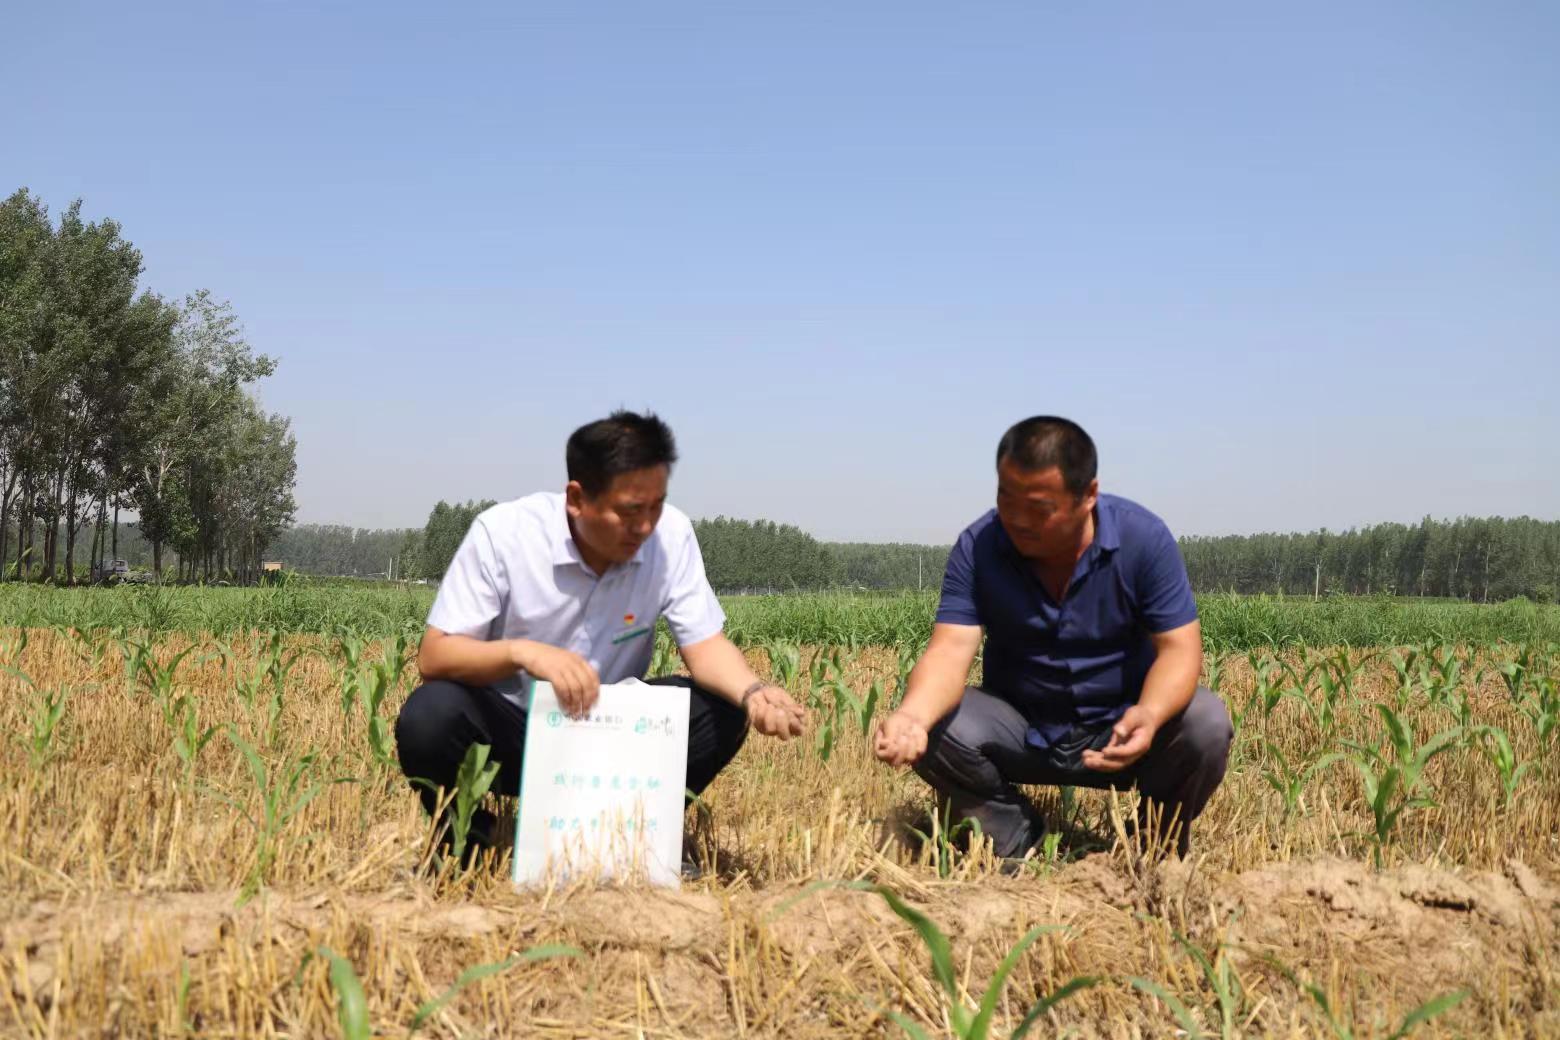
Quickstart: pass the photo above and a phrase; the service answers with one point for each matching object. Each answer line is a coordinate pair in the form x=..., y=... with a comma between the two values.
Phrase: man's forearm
x=475, y=662
x=719, y=667
x=936, y=686
x=1170, y=683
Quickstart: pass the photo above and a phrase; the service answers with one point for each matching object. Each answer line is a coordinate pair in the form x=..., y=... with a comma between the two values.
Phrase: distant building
x=271, y=566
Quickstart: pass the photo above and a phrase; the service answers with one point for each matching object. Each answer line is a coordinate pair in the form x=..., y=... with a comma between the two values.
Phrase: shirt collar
x=1107, y=532
x=566, y=551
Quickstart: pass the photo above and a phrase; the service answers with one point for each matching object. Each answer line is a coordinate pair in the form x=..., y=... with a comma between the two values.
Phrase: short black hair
x=1043, y=441
x=621, y=443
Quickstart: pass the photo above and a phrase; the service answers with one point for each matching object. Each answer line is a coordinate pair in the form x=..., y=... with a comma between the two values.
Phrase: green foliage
x=901, y=620
x=282, y=794
x=1230, y=998
x=664, y=657
x=445, y=530
x=351, y=1002
x=43, y=725
x=1290, y=780
x=1496, y=747
x=945, y=838
x=478, y=972
x=1542, y=708
x=759, y=555
x=975, y=1023
x=189, y=740
x=472, y=782
x=1342, y=1030
x=1393, y=776
x=1489, y=559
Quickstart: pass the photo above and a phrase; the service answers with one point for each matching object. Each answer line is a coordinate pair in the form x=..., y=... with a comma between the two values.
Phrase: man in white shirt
x=567, y=588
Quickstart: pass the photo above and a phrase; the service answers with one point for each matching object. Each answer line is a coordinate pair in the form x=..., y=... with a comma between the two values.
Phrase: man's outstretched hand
x=1130, y=739
x=901, y=740
x=773, y=713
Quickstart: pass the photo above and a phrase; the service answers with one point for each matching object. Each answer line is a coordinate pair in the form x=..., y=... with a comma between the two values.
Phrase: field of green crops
x=826, y=619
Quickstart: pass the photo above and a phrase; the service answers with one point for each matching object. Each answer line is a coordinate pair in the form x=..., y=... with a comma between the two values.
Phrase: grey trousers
x=977, y=754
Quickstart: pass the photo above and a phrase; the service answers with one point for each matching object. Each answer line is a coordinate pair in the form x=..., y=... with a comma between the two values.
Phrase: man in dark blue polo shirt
x=1093, y=650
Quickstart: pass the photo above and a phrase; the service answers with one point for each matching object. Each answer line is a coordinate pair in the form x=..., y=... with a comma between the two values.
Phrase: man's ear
x=574, y=497
x=1092, y=495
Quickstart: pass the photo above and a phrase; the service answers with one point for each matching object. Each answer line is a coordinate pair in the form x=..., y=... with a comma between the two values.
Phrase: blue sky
x=1292, y=267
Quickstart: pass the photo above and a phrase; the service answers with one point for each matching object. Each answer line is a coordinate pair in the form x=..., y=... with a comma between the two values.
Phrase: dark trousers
x=977, y=754
x=442, y=719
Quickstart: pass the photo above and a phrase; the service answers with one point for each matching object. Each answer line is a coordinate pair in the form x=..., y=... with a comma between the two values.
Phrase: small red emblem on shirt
x=628, y=619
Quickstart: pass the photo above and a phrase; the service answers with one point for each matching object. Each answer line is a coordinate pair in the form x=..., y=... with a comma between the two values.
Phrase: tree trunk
x=156, y=556
x=24, y=550
x=51, y=533
x=100, y=537
x=5, y=531
x=70, y=542
x=116, y=529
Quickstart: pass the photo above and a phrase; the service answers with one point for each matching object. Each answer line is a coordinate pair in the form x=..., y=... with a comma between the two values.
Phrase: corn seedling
x=1182, y=1014
x=1290, y=782
x=350, y=649
x=1392, y=779
x=1270, y=673
x=43, y=725
x=1443, y=675
x=1214, y=669
x=1218, y=972
x=1514, y=672
x=11, y=648
x=835, y=701
x=1323, y=708
x=1542, y=708
x=1496, y=747
x=397, y=655
x=279, y=663
x=944, y=839
x=975, y=1023
x=472, y=781
x=189, y=740
x=909, y=653
x=139, y=656
x=478, y=972
x=664, y=658
x=221, y=651
x=351, y=1002
x=379, y=740
x=1410, y=671
x=282, y=794
x=1342, y=1030
x=785, y=663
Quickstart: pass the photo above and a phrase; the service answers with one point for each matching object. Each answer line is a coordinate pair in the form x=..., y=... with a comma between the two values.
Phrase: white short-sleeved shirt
x=519, y=575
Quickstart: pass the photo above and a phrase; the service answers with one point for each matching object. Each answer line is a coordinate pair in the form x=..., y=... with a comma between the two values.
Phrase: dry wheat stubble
x=123, y=876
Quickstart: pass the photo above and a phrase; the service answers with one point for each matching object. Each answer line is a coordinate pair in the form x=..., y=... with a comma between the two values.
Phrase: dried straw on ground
x=122, y=871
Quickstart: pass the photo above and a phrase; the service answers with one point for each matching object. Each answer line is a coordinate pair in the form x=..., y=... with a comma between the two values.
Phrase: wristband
x=747, y=694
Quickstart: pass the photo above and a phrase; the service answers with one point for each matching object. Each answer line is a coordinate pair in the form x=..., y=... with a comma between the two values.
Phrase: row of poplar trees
x=113, y=398
x=1485, y=559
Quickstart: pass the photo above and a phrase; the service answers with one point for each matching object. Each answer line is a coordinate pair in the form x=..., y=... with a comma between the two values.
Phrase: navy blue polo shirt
x=1084, y=659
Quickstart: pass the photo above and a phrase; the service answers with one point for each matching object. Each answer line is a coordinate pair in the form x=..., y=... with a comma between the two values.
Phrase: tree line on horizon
x=1478, y=559
x=114, y=398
